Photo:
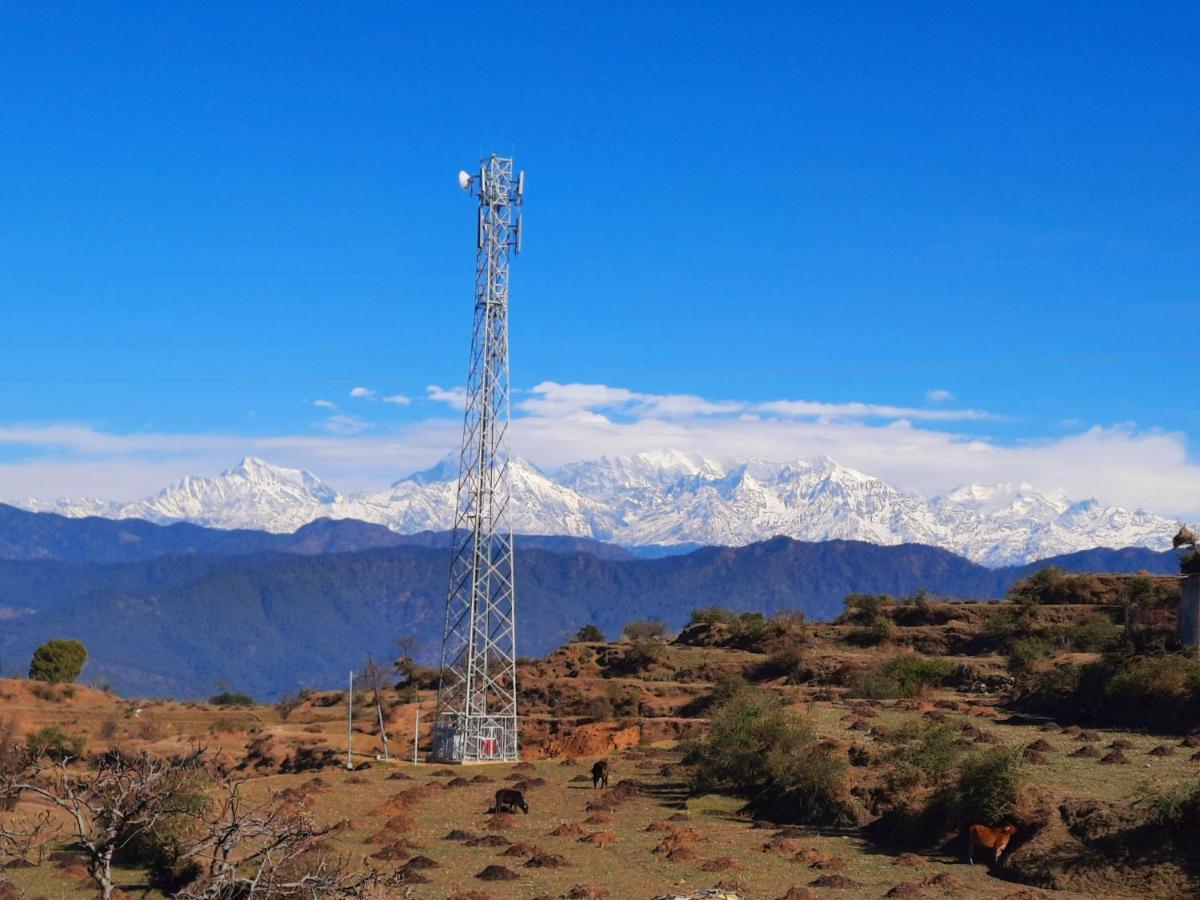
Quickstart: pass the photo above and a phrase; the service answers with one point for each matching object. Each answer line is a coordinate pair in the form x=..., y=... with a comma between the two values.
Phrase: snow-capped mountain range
x=668, y=497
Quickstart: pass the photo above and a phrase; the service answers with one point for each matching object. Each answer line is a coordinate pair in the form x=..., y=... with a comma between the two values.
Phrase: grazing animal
x=600, y=774
x=991, y=838
x=509, y=800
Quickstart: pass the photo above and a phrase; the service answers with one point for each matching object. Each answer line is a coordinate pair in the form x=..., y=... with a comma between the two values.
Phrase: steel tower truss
x=477, y=694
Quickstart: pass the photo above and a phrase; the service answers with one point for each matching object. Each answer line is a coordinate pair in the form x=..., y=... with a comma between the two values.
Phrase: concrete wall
x=1189, y=612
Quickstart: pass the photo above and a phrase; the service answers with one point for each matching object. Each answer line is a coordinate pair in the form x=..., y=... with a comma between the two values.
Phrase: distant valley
x=173, y=610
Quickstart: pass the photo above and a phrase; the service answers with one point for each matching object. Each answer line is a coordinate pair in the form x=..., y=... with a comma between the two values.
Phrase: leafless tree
x=111, y=804
x=267, y=848
x=27, y=838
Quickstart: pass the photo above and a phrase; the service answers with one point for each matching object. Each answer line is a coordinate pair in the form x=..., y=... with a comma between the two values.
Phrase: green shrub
x=55, y=743
x=785, y=660
x=925, y=756
x=645, y=629
x=1174, y=807
x=589, y=634
x=229, y=698
x=989, y=785
x=900, y=676
x=60, y=660
x=1024, y=652
x=864, y=609
x=1094, y=633
x=874, y=633
x=640, y=656
x=712, y=615
x=744, y=732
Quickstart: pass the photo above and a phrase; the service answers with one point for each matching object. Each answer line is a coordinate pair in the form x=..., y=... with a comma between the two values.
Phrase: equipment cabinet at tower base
x=464, y=740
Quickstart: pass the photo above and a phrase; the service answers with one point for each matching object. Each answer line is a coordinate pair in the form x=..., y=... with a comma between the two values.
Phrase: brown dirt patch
x=599, y=838
x=909, y=889
x=1041, y=745
x=1114, y=758
x=840, y=882
x=600, y=817
x=1034, y=758
x=721, y=864
x=500, y=822
x=488, y=840
x=1162, y=750
x=946, y=882
x=521, y=848
x=910, y=860
x=1086, y=752
x=567, y=829
x=800, y=893
x=586, y=892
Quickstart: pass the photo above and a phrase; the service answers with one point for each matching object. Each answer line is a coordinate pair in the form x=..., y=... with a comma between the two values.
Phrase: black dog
x=600, y=774
x=508, y=800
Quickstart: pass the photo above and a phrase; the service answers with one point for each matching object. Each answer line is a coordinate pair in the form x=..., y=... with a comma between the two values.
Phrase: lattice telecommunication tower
x=477, y=695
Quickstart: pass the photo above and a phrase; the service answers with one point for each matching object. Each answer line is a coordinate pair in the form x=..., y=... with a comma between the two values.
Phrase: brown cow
x=600, y=774
x=991, y=838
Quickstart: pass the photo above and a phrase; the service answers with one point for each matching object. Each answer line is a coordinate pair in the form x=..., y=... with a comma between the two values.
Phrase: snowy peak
x=669, y=497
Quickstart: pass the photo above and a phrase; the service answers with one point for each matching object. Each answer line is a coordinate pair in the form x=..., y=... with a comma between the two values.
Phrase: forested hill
x=267, y=623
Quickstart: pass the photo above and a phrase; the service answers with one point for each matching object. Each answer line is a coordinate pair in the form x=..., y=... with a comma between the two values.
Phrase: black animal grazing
x=600, y=774
x=508, y=800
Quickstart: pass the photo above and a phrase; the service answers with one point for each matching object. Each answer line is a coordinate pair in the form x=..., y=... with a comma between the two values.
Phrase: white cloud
x=361, y=392
x=343, y=424
x=939, y=395
x=455, y=397
x=324, y=404
x=397, y=400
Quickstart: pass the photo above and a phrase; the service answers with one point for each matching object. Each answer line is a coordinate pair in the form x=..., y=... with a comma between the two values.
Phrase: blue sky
x=982, y=221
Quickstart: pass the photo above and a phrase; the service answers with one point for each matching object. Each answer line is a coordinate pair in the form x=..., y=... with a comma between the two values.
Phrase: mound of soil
x=404, y=875
x=1162, y=750
x=399, y=776
x=392, y=852
x=521, y=848
x=526, y=784
x=580, y=779
x=800, y=893
x=457, y=782
x=459, y=835
x=660, y=825
x=599, y=838
x=443, y=773
x=1041, y=745
x=1195, y=757
x=500, y=822
x=488, y=840
x=482, y=779
x=910, y=860
x=1192, y=740
x=1114, y=758
x=840, y=882
x=546, y=861
x=908, y=889
x=567, y=829
x=1121, y=744
x=586, y=892
x=682, y=854
x=422, y=862
x=1089, y=736
x=780, y=844
x=1034, y=758
x=1086, y=752
x=471, y=895
x=497, y=873
x=599, y=818
x=721, y=864
x=523, y=766
x=945, y=881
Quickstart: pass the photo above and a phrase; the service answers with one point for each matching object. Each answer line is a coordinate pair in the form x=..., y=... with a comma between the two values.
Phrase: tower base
x=1189, y=613
x=475, y=739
